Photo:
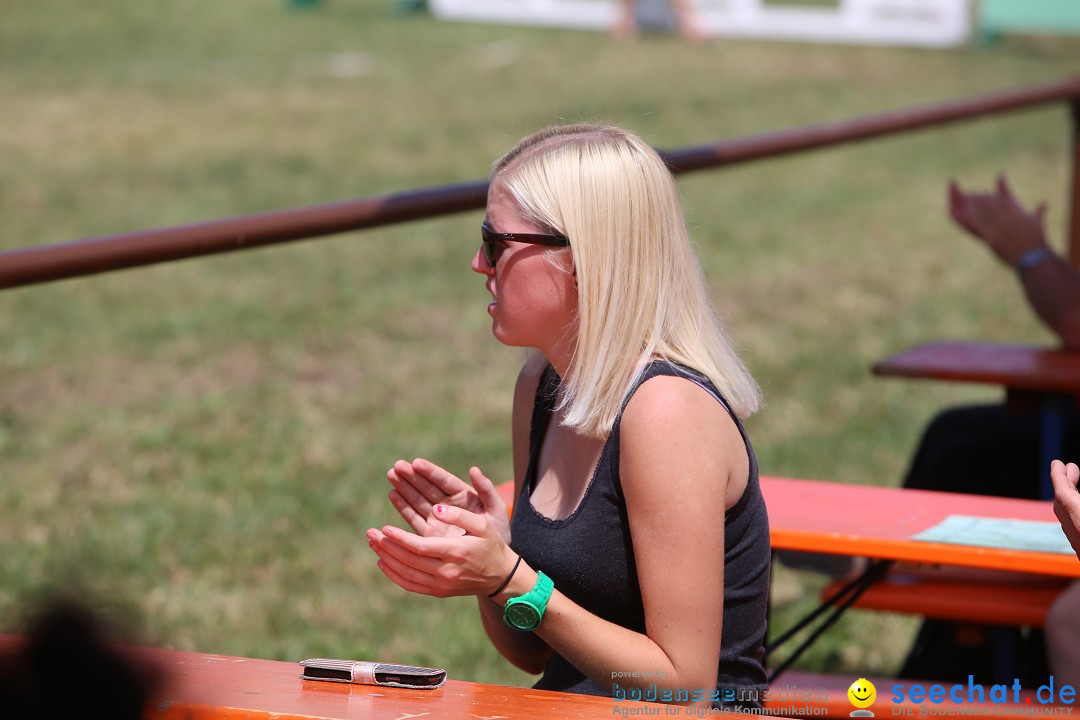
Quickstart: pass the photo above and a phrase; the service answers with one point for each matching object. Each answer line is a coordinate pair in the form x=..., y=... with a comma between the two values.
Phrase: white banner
x=932, y=23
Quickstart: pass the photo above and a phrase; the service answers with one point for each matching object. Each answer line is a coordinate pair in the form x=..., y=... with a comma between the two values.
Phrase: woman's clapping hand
x=421, y=484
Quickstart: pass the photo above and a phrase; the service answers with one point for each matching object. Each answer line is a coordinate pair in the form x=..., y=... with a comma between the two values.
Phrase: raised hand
x=420, y=485
x=998, y=219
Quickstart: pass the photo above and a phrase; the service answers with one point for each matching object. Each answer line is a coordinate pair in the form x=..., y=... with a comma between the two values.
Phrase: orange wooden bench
x=506, y=489
x=963, y=596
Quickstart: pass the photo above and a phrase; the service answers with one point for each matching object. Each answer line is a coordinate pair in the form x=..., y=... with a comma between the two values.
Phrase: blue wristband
x=1032, y=257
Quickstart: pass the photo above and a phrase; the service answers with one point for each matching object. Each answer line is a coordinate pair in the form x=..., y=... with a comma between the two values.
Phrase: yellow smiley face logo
x=862, y=693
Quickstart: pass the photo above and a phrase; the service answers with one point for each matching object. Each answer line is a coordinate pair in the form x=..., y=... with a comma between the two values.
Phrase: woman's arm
x=420, y=486
x=680, y=455
x=525, y=650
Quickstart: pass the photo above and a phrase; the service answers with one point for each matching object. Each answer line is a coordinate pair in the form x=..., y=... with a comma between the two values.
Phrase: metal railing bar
x=46, y=263
x=757, y=147
x=1074, y=191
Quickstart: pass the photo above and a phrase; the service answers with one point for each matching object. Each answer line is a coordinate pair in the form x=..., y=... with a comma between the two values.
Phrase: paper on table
x=1003, y=533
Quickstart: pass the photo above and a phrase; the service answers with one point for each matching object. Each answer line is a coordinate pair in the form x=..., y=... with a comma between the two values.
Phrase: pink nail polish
x=439, y=509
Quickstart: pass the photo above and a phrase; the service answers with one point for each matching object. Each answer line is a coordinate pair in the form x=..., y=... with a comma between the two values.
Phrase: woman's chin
x=504, y=337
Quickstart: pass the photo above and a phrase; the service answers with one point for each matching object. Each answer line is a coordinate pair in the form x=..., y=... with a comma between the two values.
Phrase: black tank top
x=590, y=555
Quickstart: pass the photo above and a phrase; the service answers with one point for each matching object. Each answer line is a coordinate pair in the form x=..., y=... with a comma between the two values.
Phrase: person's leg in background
x=1063, y=637
x=979, y=450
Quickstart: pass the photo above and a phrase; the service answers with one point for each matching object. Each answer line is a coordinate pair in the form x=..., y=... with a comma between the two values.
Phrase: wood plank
x=1018, y=367
x=219, y=687
x=878, y=522
x=1013, y=600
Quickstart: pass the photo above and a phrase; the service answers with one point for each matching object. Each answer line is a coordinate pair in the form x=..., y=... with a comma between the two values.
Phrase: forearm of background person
x=1053, y=291
x=526, y=651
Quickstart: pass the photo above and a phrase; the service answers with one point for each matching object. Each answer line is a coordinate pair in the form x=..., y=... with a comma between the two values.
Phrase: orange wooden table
x=1049, y=378
x=879, y=522
x=220, y=687
x=1017, y=367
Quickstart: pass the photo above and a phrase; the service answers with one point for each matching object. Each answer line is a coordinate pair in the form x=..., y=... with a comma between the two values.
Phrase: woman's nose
x=480, y=263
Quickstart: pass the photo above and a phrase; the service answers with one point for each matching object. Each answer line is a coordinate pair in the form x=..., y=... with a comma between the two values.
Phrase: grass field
x=201, y=445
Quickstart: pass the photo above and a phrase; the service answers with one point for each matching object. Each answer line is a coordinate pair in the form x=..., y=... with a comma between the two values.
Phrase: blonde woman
x=636, y=563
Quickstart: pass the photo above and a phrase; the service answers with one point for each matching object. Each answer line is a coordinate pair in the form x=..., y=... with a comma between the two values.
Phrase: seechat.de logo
x=862, y=694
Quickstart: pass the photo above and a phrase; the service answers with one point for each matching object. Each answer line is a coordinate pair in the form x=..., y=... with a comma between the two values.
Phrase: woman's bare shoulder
x=671, y=416
x=673, y=398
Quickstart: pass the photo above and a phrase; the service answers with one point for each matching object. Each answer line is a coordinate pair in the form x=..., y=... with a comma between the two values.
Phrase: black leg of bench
x=840, y=601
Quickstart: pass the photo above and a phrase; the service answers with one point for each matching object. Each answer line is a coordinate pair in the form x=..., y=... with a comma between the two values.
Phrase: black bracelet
x=507, y=580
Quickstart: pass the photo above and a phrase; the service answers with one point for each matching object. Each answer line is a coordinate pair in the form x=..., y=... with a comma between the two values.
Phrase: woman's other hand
x=473, y=561
x=1067, y=500
x=421, y=484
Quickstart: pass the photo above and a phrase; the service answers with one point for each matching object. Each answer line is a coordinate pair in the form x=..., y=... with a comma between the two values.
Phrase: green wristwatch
x=525, y=611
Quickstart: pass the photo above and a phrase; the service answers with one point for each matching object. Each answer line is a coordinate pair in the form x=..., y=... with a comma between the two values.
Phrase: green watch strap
x=526, y=611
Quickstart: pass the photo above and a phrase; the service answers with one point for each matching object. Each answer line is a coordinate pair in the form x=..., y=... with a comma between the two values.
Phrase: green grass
x=202, y=444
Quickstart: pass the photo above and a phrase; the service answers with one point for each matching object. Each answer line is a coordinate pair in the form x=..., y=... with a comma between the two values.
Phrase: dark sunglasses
x=495, y=243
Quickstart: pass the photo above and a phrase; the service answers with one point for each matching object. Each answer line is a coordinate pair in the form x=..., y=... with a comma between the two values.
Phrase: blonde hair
x=641, y=292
